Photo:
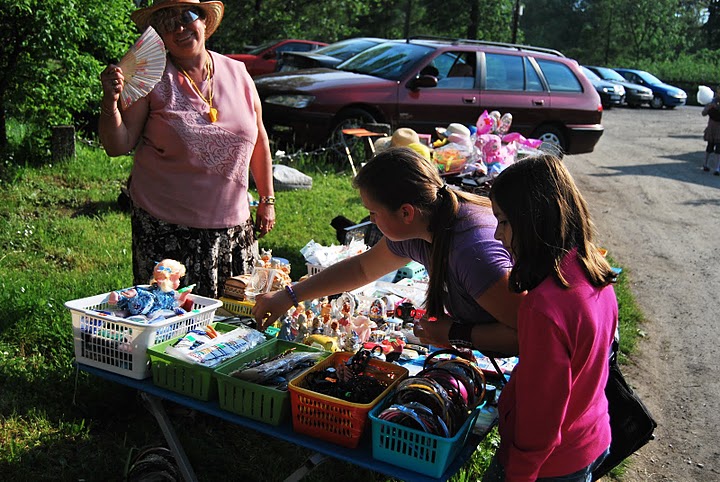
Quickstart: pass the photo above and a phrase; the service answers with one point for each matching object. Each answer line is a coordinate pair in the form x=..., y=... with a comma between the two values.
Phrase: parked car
x=610, y=94
x=423, y=84
x=663, y=94
x=329, y=56
x=264, y=58
x=635, y=94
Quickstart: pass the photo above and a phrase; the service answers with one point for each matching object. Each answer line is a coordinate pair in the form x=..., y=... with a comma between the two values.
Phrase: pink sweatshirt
x=190, y=171
x=553, y=412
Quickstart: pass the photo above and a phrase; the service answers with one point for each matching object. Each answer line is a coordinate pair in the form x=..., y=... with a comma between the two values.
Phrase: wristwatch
x=267, y=199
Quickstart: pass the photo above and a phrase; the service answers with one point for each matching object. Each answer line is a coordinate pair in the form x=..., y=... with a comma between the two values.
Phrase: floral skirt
x=210, y=256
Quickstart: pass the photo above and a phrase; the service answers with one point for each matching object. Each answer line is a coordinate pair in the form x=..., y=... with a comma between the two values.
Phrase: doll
x=160, y=295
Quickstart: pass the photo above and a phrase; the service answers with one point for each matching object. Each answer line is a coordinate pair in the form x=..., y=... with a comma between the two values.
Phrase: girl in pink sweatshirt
x=554, y=422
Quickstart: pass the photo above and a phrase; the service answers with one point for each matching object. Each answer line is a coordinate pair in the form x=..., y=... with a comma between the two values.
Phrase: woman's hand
x=113, y=83
x=269, y=307
x=265, y=219
x=433, y=332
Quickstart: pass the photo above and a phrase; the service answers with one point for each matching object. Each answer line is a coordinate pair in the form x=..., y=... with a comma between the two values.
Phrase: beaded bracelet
x=267, y=199
x=293, y=296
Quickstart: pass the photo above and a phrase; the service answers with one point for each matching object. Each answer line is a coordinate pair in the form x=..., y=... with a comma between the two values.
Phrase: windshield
x=590, y=74
x=261, y=47
x=610, y=74
x=649, y=78
x=389, y=61
x=345, y=49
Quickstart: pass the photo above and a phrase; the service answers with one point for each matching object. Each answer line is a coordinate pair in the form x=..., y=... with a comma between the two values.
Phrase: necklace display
x=210, y=78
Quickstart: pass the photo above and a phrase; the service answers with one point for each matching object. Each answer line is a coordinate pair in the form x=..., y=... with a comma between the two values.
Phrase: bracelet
x=267, y=199
x=293, y=296
x=109, y=113
x=461, y=335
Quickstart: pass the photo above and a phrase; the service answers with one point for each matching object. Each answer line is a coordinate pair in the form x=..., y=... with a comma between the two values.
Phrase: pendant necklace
x=213, y=115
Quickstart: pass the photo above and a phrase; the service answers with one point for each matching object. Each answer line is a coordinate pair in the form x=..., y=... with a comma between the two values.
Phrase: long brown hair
x=400, y=175
x=549, y=217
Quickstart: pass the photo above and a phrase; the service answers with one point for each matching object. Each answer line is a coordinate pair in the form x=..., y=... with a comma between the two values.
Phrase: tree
x=52, y=54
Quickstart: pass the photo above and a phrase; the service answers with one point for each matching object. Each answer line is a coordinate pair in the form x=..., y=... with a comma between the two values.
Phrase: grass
x=63, y=237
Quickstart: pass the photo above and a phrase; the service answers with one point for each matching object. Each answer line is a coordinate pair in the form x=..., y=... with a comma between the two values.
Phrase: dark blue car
x=663, y=94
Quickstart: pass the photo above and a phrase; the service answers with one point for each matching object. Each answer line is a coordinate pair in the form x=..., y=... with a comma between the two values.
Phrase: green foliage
x=53, y=52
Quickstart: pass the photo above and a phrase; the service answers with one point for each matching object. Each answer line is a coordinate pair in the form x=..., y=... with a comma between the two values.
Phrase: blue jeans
x=496, y=472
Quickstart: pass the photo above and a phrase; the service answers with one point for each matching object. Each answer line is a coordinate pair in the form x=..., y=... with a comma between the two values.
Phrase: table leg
x=155, y=406
x=314, y=460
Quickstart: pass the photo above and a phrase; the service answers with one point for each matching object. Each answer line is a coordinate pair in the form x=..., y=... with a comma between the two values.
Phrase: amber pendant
x=213, y=114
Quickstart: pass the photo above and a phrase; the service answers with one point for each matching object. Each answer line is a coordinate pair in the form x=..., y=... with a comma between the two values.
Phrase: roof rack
x=460, y=41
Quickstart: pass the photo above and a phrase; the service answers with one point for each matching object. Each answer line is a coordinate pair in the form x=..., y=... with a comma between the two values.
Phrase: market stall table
x=361, y=456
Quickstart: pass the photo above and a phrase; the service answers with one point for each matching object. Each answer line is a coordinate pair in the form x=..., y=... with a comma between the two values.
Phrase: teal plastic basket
x=414, y=449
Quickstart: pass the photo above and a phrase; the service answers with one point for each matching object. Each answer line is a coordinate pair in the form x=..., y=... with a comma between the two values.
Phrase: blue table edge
x=361, y=456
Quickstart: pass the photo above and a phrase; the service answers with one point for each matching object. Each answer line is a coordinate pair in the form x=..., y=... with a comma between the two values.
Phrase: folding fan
x=143, y=66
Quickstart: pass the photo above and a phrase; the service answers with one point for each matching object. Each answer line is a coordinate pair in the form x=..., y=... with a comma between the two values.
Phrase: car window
x=559, y=76
x=610, y=74
x=345, y=50
x=388, y=60
x=532, y=79
x=504, y=72
x=456, y=70
x=260, y=48
x=632, y=77
x=295, y=47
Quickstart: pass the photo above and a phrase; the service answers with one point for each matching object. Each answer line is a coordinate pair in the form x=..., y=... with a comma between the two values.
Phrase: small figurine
x=302, y=329
x=160, y=295
x=285, y=332
x=377, y=311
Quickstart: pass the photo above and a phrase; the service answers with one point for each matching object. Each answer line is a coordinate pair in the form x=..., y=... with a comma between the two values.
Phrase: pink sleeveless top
x=190, y=171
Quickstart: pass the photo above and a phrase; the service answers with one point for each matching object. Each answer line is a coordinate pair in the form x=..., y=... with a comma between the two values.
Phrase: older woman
x=197, y=137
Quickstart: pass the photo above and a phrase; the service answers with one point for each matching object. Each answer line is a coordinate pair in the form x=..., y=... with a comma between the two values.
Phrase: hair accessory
x=293, y=296
x=267, y=199
x=213, y=11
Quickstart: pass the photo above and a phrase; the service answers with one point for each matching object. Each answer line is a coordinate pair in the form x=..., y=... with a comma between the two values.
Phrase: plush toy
x=495, y=155
x=160, y=295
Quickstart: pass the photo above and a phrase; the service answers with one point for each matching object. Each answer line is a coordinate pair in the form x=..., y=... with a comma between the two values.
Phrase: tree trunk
x=63, y=143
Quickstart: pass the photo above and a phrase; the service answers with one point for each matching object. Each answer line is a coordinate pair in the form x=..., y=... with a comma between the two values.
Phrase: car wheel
x=553, y=139
x=657, y=102
x=348, y=119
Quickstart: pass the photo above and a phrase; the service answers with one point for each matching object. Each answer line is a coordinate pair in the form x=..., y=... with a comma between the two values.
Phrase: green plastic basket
x=183, y=377
x=258, y=402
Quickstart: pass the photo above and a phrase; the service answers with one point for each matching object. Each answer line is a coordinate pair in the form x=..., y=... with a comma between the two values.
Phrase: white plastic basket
x=313, y=268
x=119, y=345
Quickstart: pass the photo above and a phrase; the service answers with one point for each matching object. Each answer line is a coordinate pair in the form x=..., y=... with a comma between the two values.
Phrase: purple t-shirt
x=477, y=260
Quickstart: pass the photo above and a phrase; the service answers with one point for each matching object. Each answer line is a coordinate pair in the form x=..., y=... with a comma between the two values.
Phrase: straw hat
x=402, y=137
x=213, y=11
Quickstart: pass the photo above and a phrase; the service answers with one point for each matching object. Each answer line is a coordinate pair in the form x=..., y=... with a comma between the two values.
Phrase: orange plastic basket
x=330, y=418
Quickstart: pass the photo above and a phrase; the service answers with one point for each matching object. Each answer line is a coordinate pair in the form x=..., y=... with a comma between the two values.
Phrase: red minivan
x=426, y=83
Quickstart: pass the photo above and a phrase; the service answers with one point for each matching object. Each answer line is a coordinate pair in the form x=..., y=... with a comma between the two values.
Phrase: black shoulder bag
x=631, y=423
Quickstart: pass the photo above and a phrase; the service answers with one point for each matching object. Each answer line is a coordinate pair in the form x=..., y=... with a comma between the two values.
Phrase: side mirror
x=422, y=81
x=270, y=54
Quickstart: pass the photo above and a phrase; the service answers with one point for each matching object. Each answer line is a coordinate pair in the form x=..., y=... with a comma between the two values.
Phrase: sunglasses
x=171, y=21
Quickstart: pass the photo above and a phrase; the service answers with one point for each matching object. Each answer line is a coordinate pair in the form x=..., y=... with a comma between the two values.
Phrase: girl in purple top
x=449, y=232
x=553, y=413
x=197, y=137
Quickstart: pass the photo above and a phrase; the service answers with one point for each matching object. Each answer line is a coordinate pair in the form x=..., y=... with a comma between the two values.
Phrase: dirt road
x=658, y=214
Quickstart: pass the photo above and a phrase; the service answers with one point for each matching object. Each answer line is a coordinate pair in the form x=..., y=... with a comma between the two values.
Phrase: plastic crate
x=119, y=345
x=237, y=307
x=313, y=268
x=181, y=376
x=258, y=402
x=414, y=449
x=330, y=418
